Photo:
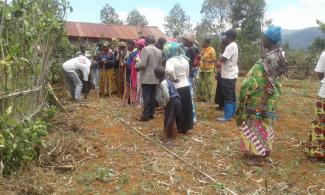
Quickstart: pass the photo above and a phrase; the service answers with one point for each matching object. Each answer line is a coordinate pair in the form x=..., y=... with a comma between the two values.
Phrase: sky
x=289, y=14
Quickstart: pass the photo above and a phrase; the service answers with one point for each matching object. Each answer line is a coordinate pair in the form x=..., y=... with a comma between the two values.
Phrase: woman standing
x=259, y=93
x=178, y=70
x=206, y=71
x=315, y=148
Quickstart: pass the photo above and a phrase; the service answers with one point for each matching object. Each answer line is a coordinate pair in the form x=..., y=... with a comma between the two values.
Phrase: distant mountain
x=301, y=39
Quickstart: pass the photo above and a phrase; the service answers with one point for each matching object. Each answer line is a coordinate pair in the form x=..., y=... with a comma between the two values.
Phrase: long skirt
x=256, y=136
x=187, y=109
x=106, y=82
x=316, y=139
x=173, y=114
x=219, y=99
x=204, y=90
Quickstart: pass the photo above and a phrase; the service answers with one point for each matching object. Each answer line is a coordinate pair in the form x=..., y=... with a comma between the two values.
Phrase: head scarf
x=140, y=43
x=274, y=33
x=172, y=49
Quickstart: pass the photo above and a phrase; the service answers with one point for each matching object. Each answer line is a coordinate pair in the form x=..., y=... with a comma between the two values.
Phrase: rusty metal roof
x=109, y=31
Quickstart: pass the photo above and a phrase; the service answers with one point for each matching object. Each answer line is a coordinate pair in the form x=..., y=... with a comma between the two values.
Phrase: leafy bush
x=62, y=52
x=301, y=64
x=20, y=142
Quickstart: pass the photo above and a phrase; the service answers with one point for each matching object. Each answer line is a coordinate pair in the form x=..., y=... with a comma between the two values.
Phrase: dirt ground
x=94, y=152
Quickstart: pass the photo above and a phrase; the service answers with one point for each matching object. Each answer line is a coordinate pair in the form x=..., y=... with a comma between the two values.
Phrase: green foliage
x=62, y=52
x=249, y=53
x=177, y=22
x=135, y=18
x=124, y=179
x=318, y=46
x=215, y=16
x=247, y=15
x=20, y=142
x=29, y=30
x=218, y=186
x=302, y=64
x=108, y=15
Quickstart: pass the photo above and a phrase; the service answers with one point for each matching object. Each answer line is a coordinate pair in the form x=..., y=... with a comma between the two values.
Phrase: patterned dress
x=256, y=129
x=206, y=73
x=316, y=138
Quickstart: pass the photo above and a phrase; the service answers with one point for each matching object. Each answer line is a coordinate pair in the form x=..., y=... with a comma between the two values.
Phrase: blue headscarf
x=274, y=33
x=172, y=49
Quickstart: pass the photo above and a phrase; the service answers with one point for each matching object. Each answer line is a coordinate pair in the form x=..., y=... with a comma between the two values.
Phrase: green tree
x=248, y=15
x=317, y=46
x=135, y=18
x=108, y=15
x=215, y=14
x=177, y=22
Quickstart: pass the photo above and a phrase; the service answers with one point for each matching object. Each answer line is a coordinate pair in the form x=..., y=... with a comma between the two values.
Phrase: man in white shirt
x=229, y=75
x=70, y=68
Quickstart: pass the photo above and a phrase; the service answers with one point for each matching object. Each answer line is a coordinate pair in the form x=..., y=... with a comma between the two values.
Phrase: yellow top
x=208, y=59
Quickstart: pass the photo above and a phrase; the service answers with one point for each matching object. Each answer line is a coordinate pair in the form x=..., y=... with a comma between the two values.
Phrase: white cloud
x=297, y=16
x=155, y=16
x=122, y=15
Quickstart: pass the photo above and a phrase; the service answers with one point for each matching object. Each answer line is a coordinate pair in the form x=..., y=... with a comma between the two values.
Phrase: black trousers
x=187, y=109
x=149, y=100
x=229, y=90
x=219, y=93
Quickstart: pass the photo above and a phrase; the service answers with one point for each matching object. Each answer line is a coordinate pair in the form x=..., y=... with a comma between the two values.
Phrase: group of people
x=172, y=74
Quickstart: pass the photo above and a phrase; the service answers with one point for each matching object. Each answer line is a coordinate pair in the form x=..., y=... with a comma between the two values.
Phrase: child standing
x=172, y=104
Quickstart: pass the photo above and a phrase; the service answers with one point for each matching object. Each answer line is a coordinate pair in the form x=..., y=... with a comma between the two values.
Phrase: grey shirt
x=150, y=58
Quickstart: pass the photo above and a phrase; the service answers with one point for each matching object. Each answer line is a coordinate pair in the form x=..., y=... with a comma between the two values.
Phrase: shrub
x=20, y=142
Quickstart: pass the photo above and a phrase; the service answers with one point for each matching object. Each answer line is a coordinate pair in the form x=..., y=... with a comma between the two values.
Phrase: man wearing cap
x=150, y=58
x=106, y=62
x=229, y=75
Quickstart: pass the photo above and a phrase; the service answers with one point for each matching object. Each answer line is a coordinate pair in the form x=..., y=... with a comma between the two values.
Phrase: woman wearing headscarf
x=178, y=70
x=315, y=148
x=206, y=71
x=258, y=97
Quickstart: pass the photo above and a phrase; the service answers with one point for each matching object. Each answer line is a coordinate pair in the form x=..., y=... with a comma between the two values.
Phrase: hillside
x=301, y=39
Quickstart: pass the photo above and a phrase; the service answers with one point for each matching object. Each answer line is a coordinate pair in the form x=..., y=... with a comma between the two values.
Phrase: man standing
x=229, y=75
x=106, y=62
x=150, y=58
x=70, y=69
